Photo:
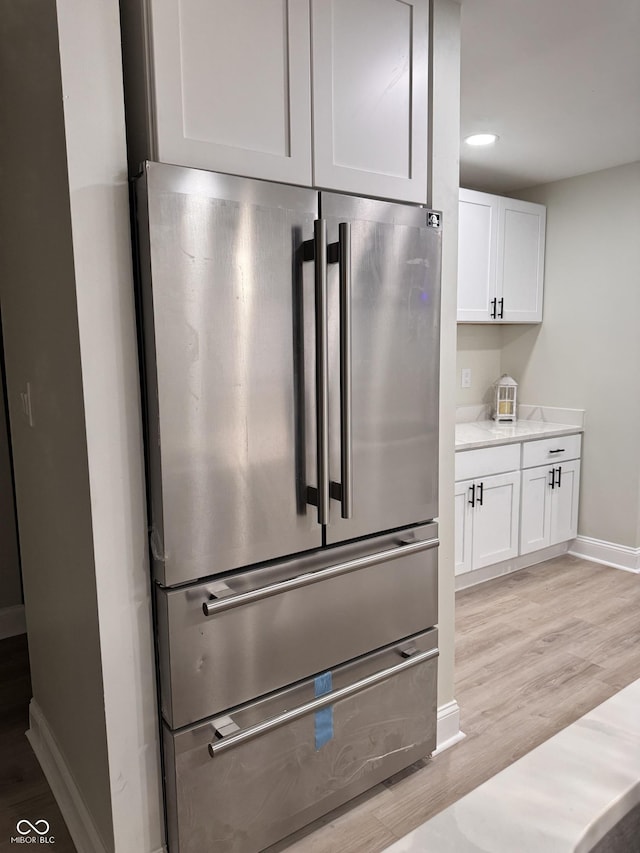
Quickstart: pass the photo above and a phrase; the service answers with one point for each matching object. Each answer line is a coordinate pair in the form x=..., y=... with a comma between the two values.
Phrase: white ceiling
x=557, y=80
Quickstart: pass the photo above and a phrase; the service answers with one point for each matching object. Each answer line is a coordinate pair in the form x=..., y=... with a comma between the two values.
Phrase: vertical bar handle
x=480, y=497
x=346, y=469
x=501, y=314
x=552, y=481
x=322, y=368
x=494, y=304
x=473, y=495
x=559, y=482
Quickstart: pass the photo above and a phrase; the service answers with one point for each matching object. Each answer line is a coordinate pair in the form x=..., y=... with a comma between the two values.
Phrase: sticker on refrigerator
x=433, y=219
x=323, y=717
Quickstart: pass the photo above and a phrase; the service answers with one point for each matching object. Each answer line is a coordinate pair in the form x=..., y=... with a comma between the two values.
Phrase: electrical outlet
x=465, y=377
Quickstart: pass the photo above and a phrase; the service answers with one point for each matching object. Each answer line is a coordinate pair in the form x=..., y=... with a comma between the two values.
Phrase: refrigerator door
x=228, y=306
x=383, y=405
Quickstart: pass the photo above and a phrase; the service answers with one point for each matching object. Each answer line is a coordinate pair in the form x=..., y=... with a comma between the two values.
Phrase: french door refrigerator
x=291, y=347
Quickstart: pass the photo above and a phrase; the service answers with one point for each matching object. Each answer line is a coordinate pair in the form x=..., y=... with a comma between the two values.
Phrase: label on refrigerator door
x=433, y=219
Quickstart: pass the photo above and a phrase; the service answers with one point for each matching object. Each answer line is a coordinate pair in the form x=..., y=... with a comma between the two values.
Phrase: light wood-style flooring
x=24, y=792
x=535, y=650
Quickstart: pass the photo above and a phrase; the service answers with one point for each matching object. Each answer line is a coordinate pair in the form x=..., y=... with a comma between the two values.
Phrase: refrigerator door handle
x=319, y=496
x=217, y=605
x=343, y=491
x=225, y=742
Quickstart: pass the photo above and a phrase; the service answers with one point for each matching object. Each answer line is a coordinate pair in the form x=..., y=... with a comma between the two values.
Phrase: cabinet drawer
x=239, y=784
x=487, y=460
x=549, y=450
x=271, y=626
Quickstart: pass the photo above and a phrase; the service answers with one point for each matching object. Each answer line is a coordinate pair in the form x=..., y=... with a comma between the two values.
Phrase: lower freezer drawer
x=239, y=783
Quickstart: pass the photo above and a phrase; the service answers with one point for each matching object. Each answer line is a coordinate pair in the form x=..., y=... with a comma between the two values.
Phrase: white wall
x=91, y=67
x=69, y=320
x=586, y=353
x=445, y=133
x=480, y=349
x=37, y=289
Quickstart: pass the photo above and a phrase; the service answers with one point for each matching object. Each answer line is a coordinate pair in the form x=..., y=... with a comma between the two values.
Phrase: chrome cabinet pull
x=210, y=608
x=229, y=741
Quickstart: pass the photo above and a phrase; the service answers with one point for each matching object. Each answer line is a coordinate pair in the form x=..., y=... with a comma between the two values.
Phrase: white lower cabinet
x=549, y=505
x=486, y=521
x=508, y=505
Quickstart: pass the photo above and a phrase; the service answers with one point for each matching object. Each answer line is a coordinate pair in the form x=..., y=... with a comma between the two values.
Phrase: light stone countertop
x=488, y=433
x=562, y=797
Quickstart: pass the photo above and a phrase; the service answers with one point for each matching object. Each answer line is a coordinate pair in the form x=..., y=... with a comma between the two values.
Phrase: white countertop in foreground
x=488, y=433
x=562, y=797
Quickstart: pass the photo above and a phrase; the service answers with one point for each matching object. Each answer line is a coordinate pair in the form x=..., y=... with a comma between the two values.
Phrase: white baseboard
x=448, y=732
x=600, y=551
x=65, y=791
x=12, y=621
x=497, y=570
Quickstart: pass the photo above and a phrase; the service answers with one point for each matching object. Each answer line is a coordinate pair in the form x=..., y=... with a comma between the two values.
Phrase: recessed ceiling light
x=481, y=139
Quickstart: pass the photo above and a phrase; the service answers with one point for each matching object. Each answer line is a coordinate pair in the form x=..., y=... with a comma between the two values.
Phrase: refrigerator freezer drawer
x=290, y=623
x=285, y=762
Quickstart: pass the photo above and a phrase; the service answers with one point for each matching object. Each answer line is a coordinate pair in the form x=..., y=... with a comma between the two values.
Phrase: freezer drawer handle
x=320, y=496
x=210, y=608
x=228, y=742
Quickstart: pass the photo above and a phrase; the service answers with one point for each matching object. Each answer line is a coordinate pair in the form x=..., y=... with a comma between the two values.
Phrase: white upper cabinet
x=229, y=86
x=477, y=244
x=500, y=259
x=370, y=63
x=326, y=93
x=520, y=260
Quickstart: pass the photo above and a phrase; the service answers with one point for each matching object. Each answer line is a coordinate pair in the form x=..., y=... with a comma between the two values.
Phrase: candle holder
x=504, y=399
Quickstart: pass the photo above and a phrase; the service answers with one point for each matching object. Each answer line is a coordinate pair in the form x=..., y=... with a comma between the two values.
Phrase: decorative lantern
x=505, y=392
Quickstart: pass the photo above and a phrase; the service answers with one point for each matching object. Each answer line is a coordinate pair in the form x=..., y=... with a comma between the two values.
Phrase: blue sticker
x=324, y=717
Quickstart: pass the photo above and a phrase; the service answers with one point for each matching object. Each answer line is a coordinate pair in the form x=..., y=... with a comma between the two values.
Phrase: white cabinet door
x=535, y=516
x=564, y=512
x=463, y=527
x=370, y=68
x=495, y=519
x=520, y=264
x=230, y=83
x=549, y=505
x=477, y=244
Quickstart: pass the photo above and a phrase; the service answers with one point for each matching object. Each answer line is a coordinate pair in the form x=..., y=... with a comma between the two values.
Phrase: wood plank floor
x=24, y=792
x=535, y=650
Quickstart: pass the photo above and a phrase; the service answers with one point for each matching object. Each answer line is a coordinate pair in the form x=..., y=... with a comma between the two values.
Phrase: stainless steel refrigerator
x=291, y=343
